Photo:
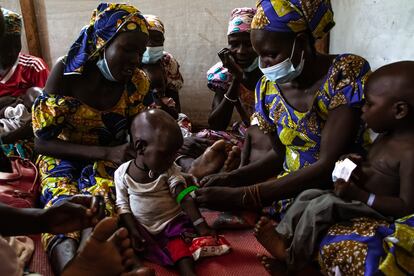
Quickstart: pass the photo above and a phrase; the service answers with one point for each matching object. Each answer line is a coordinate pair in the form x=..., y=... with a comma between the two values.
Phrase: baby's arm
x=126, y=217
x=190, y=208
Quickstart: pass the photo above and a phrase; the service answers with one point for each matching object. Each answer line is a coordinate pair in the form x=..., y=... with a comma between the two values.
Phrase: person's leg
x=63, y=251
x=107, y=251
x=186, y=266
x=273, y=266
x=181, y=256
x=277, y=240
x=56, y=184
x=316, y=218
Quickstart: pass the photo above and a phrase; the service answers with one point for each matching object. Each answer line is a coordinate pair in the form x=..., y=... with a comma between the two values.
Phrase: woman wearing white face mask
x=308, y=103
x=156, y=55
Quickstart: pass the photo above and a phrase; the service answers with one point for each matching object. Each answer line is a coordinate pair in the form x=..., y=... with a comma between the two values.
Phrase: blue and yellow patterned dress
x=68, y=119
x=301, y=132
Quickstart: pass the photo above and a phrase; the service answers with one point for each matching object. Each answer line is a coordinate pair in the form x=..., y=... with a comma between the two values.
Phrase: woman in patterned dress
x=233, y=80
x=308, y=103
x=81, y=122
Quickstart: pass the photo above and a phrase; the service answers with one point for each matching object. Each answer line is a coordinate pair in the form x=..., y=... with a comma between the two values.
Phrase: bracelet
x=230, y=100
x=199, y=221
x=184, y=193
x=371, y=199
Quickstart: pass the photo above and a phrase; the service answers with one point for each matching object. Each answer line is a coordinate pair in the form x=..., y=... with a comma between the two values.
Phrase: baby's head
x=156, y=138
x=389, y=94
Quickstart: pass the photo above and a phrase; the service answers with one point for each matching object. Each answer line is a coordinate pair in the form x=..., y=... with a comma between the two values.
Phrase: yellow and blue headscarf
x=12, y=22
x=294, y=16
x=106, y=21
x=154, y=23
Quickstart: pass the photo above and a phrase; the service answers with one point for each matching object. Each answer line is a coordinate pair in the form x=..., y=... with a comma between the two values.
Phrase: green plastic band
x=185, y=192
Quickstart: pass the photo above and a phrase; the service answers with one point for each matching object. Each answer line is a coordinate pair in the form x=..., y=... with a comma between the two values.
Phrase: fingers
x=205, y=180
x=199, y=197
x=84, y=200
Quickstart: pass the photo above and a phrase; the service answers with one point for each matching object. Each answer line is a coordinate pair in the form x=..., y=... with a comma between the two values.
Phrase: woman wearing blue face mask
x=81, y=122
x=308, y=103
x=155, y=55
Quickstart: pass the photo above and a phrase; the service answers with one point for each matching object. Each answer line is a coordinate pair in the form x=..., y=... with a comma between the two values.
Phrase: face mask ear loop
x=293, y=49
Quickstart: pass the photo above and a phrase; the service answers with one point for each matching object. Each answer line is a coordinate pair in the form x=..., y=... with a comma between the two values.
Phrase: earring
x=151, y=174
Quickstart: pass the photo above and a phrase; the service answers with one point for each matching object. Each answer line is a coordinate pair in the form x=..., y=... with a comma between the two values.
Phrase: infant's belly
x=153, y=208
x=378, y=182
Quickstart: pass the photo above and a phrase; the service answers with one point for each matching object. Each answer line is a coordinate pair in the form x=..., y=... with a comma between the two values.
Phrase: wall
x=382, y=31
x=195, y=32
x=379, y=30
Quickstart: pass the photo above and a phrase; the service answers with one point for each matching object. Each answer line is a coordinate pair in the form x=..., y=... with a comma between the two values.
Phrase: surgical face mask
x=252, y=66
x=284, y=71
x=104, y=68
x=152, y=54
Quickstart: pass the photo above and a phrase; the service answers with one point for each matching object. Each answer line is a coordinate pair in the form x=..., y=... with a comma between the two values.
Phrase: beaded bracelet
x=185, y=192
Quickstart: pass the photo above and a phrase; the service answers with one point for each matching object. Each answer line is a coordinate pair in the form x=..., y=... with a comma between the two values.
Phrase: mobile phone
x=222, y=53
x=99, y=203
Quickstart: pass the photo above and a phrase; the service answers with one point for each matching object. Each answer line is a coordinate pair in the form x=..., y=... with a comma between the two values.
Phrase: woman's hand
x=121, y=154
x=218, y=179
x=72, y=214
x=229, y=63
x=346, y=190
x=219, y=198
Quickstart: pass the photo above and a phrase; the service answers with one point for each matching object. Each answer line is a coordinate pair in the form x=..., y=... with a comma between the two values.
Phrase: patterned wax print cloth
x=300, y=132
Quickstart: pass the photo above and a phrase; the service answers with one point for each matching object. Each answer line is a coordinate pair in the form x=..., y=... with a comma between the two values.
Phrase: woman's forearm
x=270, y=165
x=24, y=132
x=66, y=150
x=316, y=175
x=222, y=112
x=20, y=221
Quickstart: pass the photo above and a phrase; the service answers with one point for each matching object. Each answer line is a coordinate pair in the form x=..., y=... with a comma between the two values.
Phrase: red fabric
x=30, y=72
x=178, y=249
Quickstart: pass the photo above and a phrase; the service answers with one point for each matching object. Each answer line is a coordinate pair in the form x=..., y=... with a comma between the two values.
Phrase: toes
x=264, y=220
x=105, y=229
x=220, y=145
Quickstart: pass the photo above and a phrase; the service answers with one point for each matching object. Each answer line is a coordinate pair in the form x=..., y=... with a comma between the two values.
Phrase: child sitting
x=152, y=194
x=381, y=186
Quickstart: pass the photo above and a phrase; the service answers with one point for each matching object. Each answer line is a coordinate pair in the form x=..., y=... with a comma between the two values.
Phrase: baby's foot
x=233, y=159
x=273, y=266
x=211, y=161
x=107, y=252
x=268, y=237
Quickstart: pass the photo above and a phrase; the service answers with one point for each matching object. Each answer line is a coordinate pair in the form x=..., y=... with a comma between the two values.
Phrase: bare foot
x=107, y=252
x=268, y=237
x=233, y=159
x=273, y=266
x=211, y=161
